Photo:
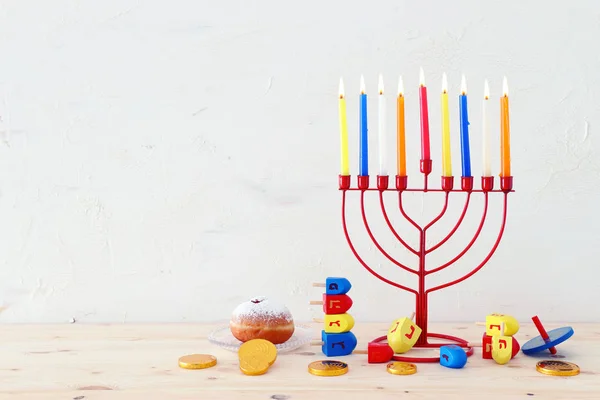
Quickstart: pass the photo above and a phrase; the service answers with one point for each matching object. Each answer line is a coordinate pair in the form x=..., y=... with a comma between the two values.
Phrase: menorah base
x=456, y=341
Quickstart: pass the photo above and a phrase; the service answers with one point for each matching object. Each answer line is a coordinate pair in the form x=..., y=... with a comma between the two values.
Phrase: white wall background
x=164, y=161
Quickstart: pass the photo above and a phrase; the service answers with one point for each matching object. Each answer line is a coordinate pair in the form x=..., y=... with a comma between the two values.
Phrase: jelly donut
x=261, y=318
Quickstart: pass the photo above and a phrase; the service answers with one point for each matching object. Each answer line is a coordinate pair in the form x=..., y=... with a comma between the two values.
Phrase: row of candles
x=425, y=142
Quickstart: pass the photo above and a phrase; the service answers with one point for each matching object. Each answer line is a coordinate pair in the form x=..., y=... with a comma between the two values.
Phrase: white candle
x=487, y=166
x=382, y=143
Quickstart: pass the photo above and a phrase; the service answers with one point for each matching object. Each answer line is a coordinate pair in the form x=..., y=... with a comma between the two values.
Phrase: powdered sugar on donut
x=262, y=308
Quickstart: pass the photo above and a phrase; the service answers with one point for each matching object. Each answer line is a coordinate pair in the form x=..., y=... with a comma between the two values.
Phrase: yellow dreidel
x=502, y=346
x=493, y=321
x=403, y=334
x=337, y=323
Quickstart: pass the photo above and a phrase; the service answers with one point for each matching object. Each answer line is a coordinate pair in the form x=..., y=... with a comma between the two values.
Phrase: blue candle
x=464, y=130
x=364, y=143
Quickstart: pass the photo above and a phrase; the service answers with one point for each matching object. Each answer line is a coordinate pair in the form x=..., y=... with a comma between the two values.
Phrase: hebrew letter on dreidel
x=337, y=285
x=493, y=322
x=452, y=356
x=501, y=349
x=334, y=303
x=402, y=335
x=379, y=353
x=486, y=345
x=338, y=323
x=338, y=344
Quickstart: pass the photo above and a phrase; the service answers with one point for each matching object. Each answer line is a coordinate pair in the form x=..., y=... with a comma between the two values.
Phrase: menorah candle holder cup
x=383, y=182
x=401, y=182
x=421, y=271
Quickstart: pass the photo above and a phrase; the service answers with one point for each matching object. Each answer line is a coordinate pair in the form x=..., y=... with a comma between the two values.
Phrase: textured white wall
x=164, y=161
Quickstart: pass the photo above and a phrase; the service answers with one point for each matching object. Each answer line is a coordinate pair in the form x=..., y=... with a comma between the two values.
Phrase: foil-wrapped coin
x=327, y=368
x=557, y=368
x=258, y=347
x=197, y=361
x=254, y=365
x=401, y=368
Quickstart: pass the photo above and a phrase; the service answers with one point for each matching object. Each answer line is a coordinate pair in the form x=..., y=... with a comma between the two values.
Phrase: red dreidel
x=334, y=303
x=377, y=353
x=486, y=351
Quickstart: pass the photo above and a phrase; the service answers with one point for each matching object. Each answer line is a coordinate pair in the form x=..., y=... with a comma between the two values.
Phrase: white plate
x=223, y=337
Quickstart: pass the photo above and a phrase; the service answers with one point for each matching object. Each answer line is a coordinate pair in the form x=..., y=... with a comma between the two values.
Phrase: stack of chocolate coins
x=256, y=356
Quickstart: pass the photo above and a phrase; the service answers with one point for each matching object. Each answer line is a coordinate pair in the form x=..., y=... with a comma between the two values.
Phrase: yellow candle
x=504, y=132
x=401, y=130
x=344, y=168
x=446, y=158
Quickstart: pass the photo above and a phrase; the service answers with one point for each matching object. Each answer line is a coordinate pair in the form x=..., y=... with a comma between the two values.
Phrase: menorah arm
x=405, y=215
x=486, y=259
x=479, y=228
x=364, y=217
x=408, y=247
x=460, y=220
x=440, y=215
x=389, y=282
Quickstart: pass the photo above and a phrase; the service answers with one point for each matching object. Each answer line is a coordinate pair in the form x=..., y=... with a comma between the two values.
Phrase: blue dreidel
x=452, y=356
x=335, y=285
x=546, y=340
x=336, y=344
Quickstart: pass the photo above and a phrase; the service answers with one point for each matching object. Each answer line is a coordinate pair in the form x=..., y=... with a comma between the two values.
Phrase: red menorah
x=421, y=294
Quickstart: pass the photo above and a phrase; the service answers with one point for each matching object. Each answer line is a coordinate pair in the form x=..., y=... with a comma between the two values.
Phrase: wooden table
x=93, y=362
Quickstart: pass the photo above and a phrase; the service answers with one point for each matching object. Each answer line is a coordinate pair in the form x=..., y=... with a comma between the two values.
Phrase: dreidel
x=336, y=323
x=403, y=334
x=486, y=351
x=493, y=321
x=335, y=285
x=334, y=303
x=501, y=347
x=377, y=353
x=336, y=344
x=453, y=356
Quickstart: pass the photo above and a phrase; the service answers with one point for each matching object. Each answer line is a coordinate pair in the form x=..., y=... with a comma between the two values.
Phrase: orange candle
x=401, y=130
x=504, y=132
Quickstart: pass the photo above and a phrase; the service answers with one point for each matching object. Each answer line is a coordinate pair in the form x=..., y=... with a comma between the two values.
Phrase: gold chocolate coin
x=401, y=368
x=254, y=365
x=557, y=368
x=258, y=347
x=328, y=368
x=197, y=361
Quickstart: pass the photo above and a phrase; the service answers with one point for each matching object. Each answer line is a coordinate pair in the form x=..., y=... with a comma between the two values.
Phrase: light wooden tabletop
x=94, y=362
